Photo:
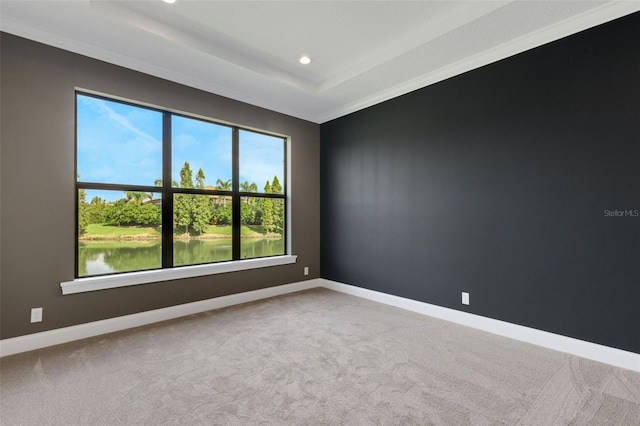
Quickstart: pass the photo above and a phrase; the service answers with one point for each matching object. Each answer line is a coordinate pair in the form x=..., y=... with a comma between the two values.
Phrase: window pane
x=262, y=230
x=199, y=145
x=202, y=229
x=121, y=146
x=118, y=232
x=261, y=162
x=118, y=143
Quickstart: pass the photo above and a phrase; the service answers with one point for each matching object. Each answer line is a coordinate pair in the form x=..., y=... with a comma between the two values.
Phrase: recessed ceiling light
x=305, y=60
x=169, y=1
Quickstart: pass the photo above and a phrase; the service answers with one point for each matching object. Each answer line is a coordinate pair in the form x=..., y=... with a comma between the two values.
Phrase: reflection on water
x=98, y=258
x=97, y=265
x=191, y=252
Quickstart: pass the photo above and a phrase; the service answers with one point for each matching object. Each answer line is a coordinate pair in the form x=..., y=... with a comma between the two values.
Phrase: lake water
x=97, y=258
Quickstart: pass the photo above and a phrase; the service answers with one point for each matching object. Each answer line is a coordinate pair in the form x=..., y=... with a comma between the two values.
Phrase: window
x=157, y=190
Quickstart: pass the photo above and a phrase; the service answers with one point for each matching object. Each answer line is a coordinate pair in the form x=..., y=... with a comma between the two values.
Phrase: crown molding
x=318, y=114
x=30, y=32
x=594, y=17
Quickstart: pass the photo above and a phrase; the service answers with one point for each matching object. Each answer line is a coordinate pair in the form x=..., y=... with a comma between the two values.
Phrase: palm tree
x=223, y=185
x=253, y=188
x=158, y=183
x=245, y=187
x=135, y=196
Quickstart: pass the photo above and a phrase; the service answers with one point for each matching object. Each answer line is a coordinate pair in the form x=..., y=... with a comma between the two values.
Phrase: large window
x=157, y=189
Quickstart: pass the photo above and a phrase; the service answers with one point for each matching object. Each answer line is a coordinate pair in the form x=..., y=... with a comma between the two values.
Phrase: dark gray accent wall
x=37, y=188
x=497, y=182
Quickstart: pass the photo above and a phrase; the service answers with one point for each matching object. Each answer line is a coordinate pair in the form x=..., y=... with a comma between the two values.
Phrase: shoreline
x=177, y=237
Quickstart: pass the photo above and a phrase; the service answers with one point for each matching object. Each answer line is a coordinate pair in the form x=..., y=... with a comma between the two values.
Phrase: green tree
x=247, y=214
x=186, y=176
x=183, y=202
x=223, y=185
x=278, y=206
x=249, y=209
x=96, y=210
x=83, y=214
x=276, y=188
x=136, y=197
x=191, y=211
x=158, y=183
x=121, y=213
x=267, y=219
x=200, y=213
x=147, y=214
x=221, y=215
x=200, y=179
x=221, y=211
x=245, y=187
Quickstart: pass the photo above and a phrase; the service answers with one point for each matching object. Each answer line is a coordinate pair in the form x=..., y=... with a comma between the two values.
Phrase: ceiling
x=363, y=52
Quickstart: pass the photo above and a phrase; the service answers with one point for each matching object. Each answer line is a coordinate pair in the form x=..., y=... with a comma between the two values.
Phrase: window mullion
x=167, y=194
x=286, y=189
x=235, y=200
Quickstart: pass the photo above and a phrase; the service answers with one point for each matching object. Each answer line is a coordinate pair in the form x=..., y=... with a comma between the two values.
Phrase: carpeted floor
x=315, y=357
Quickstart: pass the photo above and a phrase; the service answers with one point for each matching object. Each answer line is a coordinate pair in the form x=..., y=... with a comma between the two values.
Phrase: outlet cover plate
x=36, y=315
x=465, y=298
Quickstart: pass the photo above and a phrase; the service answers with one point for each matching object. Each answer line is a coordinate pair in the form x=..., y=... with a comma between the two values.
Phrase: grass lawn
x=245, y=231
x=118, y=231
x=107, y=232
x=102, y=244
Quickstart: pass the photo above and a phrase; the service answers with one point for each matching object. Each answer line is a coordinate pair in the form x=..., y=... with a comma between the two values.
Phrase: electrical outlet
x=306, y=270
x=465, y=298
x=36, y=315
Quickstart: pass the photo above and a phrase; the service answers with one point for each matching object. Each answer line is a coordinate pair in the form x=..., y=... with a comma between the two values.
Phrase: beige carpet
x=315, y=357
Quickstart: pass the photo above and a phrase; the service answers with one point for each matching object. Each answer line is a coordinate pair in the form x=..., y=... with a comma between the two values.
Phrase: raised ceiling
x=363, y=52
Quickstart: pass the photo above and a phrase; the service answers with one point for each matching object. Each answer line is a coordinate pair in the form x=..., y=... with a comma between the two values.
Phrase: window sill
x=81, y=285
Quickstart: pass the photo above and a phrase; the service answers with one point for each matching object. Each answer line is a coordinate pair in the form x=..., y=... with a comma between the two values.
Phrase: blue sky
x=122, y=144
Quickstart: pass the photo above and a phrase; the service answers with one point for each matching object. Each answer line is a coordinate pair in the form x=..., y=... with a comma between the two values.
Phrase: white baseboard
x=600, y=353
x=593, y=351
x=44, y=339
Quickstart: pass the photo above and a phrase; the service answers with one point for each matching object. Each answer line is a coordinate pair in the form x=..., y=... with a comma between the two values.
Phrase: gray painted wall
x=37, y=188
x=496, y=183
